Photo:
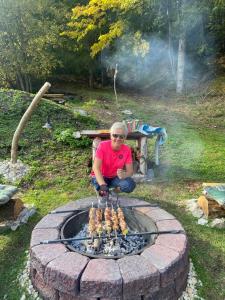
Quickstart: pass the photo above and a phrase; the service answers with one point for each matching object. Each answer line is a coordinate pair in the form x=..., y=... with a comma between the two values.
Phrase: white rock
x=218, y=223
x=77, y=134
x=127, y=112
x=202, y=221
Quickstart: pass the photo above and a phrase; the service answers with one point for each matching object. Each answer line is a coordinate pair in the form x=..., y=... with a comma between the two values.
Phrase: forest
x=174, y=45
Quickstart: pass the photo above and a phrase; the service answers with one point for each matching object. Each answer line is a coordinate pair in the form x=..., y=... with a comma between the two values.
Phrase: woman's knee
x=127, y=185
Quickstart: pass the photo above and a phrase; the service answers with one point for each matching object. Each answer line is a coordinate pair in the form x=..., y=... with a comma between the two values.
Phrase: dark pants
x=126, y=185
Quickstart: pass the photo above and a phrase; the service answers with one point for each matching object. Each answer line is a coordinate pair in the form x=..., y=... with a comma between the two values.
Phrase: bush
x=66, y=137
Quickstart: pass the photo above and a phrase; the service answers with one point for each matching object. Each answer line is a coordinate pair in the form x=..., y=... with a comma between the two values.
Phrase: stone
x=52, y=221
x=101, y=278
x=170, y=263
x=64, y=296
x=64, y=272
x=166, y=293
x=202, y=221
x=12, y=172
x=218, y=223
x=39, y=235
x=44, y=290
x=41, y=255
x=169, y=225
x=139, y=276
x=181, y=282
x=177, y=242
x=158, y=214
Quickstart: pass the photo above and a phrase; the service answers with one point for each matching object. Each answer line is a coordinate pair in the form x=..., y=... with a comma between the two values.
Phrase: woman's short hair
x=119, y=125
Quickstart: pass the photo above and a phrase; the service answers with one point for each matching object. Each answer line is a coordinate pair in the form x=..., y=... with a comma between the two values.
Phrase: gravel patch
x=12, y=172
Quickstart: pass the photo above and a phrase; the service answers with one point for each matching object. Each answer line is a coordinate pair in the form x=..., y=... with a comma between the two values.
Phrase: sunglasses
x=120, y=136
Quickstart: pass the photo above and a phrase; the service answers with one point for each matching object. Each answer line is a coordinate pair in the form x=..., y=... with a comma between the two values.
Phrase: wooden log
x=53, y=95
x=24, y=120
x=210, y=207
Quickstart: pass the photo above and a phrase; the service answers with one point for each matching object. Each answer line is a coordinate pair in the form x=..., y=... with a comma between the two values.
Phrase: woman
x=113, y=166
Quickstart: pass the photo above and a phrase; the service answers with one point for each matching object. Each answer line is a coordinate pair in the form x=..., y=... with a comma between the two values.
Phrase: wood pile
x=212, y=204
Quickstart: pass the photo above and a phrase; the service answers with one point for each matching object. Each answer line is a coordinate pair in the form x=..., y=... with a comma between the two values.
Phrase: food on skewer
x=122, y=222
x=92, y=213
x=91, y=224
x=115, y=220
x=99, y=215
x=108, y=223
x=99, y=227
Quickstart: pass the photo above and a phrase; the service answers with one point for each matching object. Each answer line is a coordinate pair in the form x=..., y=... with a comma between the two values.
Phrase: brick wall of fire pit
x=159, y=272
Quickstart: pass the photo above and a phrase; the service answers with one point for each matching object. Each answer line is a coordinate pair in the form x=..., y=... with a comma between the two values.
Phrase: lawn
x=194, y=153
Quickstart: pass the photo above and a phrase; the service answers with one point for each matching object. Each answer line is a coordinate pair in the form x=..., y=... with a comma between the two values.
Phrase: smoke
x=149, y=62
x=142, y=63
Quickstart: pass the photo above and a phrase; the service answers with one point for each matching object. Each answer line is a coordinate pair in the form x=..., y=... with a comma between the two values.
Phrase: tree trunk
x=24, y=120
x=91, y=81
x=180, y=65
x=170, y=47
x=27, y=83
x=20, y=81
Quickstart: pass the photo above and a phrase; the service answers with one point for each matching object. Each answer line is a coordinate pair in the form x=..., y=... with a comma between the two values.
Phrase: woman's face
x=117, y=138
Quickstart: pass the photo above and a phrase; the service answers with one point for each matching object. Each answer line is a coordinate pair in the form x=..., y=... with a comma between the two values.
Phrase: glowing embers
x=109, y=232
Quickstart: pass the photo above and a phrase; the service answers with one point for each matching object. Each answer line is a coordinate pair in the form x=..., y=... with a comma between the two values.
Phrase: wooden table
x=141, y=141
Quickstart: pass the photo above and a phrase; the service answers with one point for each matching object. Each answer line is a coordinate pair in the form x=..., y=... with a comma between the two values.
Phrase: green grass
x=194, y=153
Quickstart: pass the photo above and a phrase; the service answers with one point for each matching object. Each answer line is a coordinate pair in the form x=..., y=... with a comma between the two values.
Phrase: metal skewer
x=97, y=205
x=111, y=236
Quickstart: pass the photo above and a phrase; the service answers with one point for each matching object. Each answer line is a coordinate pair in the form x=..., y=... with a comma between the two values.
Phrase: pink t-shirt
x=112, y=160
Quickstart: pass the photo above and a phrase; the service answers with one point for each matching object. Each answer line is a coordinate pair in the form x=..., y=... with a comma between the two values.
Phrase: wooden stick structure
x=24, y=120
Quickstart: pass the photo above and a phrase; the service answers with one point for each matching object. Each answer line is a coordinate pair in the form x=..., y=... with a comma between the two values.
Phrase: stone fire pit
x=159, y=272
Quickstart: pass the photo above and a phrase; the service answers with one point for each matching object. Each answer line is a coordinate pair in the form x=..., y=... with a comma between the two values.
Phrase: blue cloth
x=126, y=185
x=152, y=131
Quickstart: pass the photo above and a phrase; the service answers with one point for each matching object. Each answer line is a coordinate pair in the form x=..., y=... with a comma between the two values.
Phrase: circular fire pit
x=158, y=271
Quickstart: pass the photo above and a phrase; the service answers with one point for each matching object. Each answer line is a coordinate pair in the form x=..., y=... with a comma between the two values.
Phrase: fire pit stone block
x=166, y=293
x=39, y=235
x=170, y=263
x=169, y=225
x=63, y=273
x=139, y=276
x=101, y=278
x=46, y=291
x=64, y=296
x=181, y=281
x=41, y=255
x=158, y=214
x=177, y=242
x=52, y=221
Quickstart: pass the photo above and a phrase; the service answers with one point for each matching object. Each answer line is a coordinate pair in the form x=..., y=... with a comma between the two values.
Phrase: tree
x=27, y=33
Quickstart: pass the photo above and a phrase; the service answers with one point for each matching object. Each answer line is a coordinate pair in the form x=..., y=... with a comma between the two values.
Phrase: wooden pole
x=144, y=155
x=24, y=119
x=115, y=75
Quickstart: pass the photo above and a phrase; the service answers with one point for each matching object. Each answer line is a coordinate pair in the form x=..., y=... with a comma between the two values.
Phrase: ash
x=109, y=246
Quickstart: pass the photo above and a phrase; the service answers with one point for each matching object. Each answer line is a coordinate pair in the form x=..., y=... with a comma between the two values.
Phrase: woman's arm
x=97, y=170
x=122, y=174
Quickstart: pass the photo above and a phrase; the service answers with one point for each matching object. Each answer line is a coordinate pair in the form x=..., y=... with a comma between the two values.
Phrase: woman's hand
x=121, y=174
